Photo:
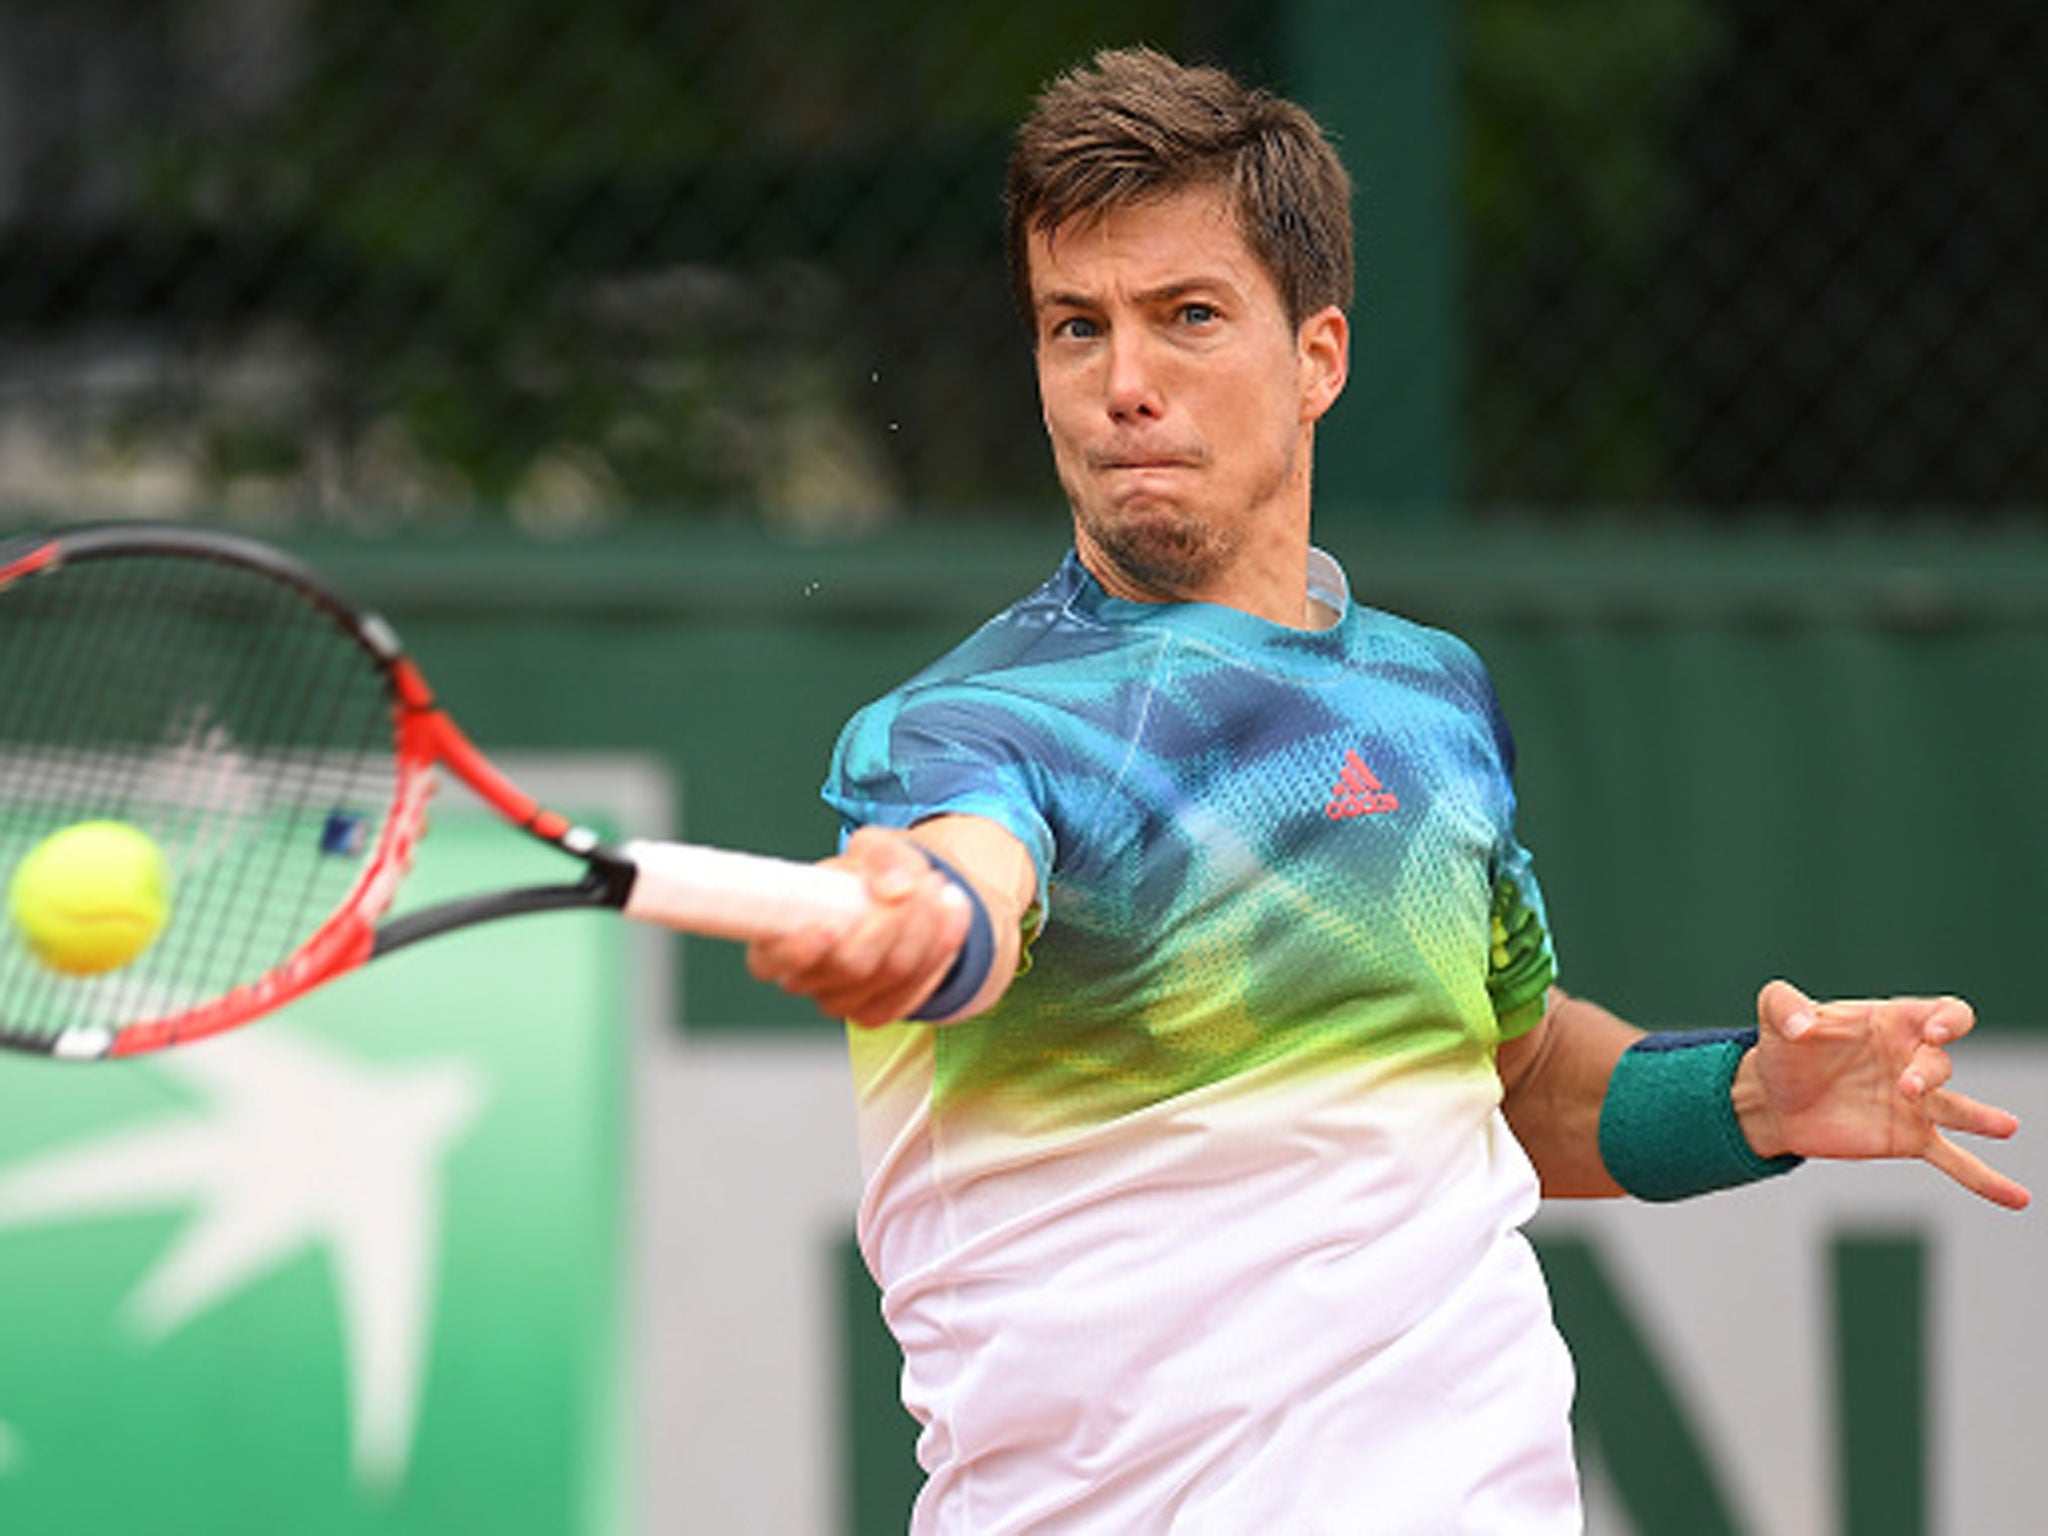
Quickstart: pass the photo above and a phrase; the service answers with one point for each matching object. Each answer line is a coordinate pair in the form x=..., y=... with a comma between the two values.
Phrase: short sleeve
x=909, y=757
x=1522, y=960
x=1521, y=964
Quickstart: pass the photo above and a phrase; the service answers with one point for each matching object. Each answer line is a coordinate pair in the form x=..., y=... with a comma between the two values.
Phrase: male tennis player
x=1199, y=1208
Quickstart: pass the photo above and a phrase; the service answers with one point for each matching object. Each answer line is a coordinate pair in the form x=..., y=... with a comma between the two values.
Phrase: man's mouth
x=1143, y=461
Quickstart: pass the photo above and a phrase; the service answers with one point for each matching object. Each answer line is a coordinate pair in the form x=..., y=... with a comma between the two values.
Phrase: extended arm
x=1853, y=1080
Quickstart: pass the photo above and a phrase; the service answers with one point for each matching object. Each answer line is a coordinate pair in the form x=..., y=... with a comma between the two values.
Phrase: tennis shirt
x=1212, y=1224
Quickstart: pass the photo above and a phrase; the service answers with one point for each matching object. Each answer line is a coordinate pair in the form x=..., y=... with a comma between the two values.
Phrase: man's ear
x=1324, y=346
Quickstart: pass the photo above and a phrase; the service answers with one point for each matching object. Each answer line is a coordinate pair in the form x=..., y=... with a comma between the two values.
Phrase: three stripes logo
x=1359, y=792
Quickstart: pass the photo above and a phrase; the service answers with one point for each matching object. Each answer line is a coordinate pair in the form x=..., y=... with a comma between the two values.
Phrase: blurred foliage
x=1575, y=113
x=631, y=254
x=413, y=260
x=1736, y=255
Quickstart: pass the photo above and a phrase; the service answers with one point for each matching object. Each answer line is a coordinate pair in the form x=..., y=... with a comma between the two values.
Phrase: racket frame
x=424, y=738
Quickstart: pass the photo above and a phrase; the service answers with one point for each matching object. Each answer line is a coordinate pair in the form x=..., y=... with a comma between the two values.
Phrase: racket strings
x=263, y=893
x=57, y=703
x=189, y=783
x=224, y=713
x=39, y=720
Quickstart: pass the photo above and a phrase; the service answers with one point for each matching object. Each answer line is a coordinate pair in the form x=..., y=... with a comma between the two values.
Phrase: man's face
x=1180, y=403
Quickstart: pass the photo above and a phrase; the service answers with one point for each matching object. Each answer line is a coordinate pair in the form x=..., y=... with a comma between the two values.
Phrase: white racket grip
x=729, y=895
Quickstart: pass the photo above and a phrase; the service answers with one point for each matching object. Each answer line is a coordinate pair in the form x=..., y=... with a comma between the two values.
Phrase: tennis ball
x=91, y=897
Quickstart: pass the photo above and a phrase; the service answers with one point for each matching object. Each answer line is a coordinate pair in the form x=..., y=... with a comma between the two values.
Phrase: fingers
x=1977, y=1176
x=1959, y=1112
x=875, y=972
x=1943, y=1020
x=1928, y=1069
x=879, y=967
x=879, y=970
x=893, y=866
x=1916, y=1028
x=1926, y=1025
x=1784, y=1010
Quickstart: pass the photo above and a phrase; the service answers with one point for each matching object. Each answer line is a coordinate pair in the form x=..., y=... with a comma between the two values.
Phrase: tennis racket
x=281, y=749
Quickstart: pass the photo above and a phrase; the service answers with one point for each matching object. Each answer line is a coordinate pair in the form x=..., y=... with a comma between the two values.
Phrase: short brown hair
x=1133, y=125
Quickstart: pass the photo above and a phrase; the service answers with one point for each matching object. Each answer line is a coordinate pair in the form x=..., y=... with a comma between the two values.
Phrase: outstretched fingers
x=1950, y=1111
x=1869, y=1077
x=1976, y=1175
x=1954, y=1111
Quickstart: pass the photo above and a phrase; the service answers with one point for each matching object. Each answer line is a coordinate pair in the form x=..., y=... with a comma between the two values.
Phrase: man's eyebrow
x=1164, y=293
x=1062, y=300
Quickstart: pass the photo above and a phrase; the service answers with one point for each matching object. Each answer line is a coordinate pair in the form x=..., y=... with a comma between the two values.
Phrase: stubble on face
x=1159, y=548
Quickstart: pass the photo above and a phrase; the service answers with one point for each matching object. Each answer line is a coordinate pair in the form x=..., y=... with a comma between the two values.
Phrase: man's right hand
x=878, y=968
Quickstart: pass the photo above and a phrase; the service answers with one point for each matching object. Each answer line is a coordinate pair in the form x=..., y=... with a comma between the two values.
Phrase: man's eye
x=1197, y=314
x=1076, y=328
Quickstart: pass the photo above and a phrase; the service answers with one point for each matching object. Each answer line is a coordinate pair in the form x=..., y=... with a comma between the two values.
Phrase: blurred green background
x=652, y=366
x=390, y=264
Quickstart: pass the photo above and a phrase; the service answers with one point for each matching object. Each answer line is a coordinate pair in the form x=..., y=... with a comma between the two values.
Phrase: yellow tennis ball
x=91, y=897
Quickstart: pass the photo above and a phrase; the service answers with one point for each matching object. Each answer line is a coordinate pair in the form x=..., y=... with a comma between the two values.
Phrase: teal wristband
x=1667, y=1126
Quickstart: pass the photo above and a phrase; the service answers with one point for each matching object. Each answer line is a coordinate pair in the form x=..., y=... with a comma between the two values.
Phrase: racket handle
x=728, y=895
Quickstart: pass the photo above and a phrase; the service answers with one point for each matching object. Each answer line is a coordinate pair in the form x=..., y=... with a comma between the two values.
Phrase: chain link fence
x=1742, y=254
x=421, y=261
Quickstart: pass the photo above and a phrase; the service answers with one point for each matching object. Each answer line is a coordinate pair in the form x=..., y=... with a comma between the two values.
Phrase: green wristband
x=1667, y=1126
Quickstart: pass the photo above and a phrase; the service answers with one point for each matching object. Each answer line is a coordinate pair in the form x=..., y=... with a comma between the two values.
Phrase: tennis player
x=1199, y=1209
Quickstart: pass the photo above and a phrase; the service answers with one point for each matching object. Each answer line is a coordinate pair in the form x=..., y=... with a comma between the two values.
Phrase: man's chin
x=1160, y=551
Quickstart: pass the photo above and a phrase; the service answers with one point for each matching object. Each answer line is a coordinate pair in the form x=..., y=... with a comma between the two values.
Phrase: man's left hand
x=1867, y=1078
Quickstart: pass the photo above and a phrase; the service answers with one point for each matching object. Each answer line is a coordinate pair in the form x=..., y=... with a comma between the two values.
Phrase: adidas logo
x=1358, y=792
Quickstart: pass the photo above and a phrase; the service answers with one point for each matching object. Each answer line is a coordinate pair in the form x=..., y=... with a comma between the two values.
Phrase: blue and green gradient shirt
x=1283, y=923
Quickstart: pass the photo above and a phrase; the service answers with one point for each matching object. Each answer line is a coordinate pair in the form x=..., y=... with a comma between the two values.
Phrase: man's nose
x=1134, y=390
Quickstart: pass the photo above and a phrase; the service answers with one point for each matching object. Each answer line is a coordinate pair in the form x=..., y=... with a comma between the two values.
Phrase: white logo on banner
x=298, y=1147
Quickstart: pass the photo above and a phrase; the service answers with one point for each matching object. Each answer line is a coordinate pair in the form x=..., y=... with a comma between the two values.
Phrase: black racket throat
x=605, y=886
